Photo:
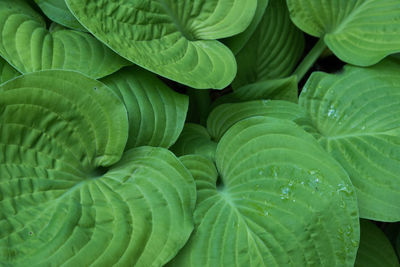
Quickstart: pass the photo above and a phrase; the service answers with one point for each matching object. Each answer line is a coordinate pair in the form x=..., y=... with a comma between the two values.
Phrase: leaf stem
x=310, y=59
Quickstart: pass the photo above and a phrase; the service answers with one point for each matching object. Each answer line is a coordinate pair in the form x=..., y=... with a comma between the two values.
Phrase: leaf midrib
x=348, y=18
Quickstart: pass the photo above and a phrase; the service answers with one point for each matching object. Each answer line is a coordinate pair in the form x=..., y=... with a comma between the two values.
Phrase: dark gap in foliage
x=98, y=172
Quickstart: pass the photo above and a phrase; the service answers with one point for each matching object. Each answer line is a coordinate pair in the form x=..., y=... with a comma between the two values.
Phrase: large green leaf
x=224, y=116
x=156, y=113
x=7, y=72
x=173, y=38
x=57, y=11
x=194, y=139
x=273, y=50
x=237, y=42
x=375, y=249
x=281, y=200
x=357, y=113
x=360, y=32
x=28, y=46
x=57, y=207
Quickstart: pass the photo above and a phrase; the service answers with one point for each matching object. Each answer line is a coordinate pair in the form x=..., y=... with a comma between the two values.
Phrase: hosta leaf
x=156, y=113
x=57, y=11
x=194, y=139
x=360, y=32
x=357, y=113
x=237, y=42
x=375, y=249
x=56, y=206
x=277, y=89
x=226, y=115
x=7, y=72
x=172, y=38
x=281, y=201
x=273, y=50
x=28, y=46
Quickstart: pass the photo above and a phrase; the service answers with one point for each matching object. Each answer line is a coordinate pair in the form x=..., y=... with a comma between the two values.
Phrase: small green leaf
x=57, y=11
x=226, y=115
x=277, y=89
x=7, y=72
x=357, y=115
x=274, y=198
x=156, y=113
x=359, y=32
x=273, y=50
x=375, y=249
x=194, y=139
x=28, y=46
x=173, y=38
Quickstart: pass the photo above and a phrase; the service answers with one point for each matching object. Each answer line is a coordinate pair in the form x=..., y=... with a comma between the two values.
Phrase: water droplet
x=285, y=193
x=265, y=102
x=343, y=188
x=266, y=213
x=363, y=128
x=95, y=88
x=30, y=233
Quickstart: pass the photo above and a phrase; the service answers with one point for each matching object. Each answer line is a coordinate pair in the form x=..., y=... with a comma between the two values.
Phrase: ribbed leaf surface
x=357, y=114
x=56, y=206
x=27, y=45
x=360, y=32
x=282, y=201
x=226, y=115
x=273, y=50
x=375, y=249
x=57, y=11
x=156, y=113
x=173, y=38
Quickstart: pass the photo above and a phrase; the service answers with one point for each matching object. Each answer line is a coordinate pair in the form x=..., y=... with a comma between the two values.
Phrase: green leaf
x=194, y=139
x=274, y=49
x=57, y=11
x=226, y=115
x=375, y=249
x=28, y=46
x=237, y=42
x=360, y=32
x=7, y=72
x=281, y=201
x=357, y=115
x=277, y=89
x=156, y=113
x=57, y=207
x=173, y=38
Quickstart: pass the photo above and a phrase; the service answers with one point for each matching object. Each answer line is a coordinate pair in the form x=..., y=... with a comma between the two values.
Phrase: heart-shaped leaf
x=375, y=249
x=58, y=204
x=273, y=50
x=173, y=38
x=357, y=115
x=28, y=46
x=360, y=32
x=57, y=11
x=274, y=198
x=7, y=72
x=156, y=113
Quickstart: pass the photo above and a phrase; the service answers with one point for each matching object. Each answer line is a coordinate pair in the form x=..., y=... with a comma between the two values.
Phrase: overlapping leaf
x=7, y=72
x=156, y=113
x=173, y=38
x=281, y=200
x=28, y=46
x=58, y=204
x=360, y=32
x=273, y=50
x=375, y=249
x=57, y=11
x=357, y=114
x=195, y=139
x=237, y=42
